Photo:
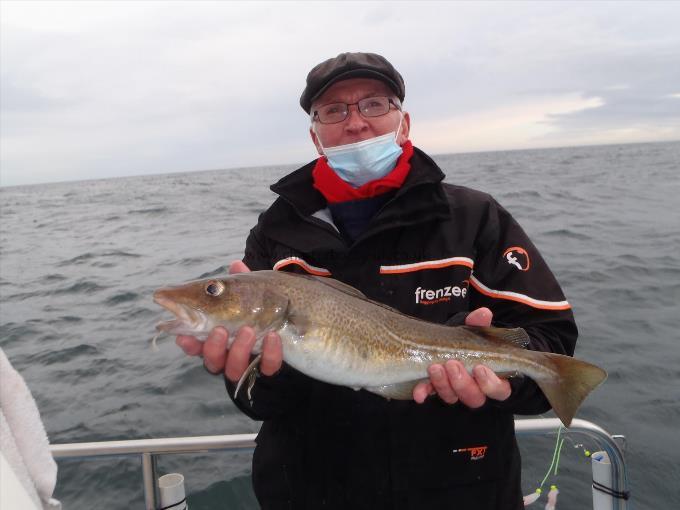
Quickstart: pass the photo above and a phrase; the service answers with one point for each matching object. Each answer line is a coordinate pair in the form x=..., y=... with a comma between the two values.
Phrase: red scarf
x=336, y=190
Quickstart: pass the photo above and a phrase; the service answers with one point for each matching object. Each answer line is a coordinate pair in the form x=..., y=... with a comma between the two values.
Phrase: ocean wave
x=151, y=210
x=22, y=296
x=64, y=355
x=69, y=319
x=52, y=277
x=83, y=374
x=522, y=195
x=139, y=313
x=104, y=265
x=123, y=408
x=85, y=257
x=188, y=261
x=564, y=233
x=123, y=297
x=80, y=287
x=12, y=333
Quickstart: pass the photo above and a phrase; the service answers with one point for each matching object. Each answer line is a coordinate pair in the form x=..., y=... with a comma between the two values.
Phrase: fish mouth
x=187, y=320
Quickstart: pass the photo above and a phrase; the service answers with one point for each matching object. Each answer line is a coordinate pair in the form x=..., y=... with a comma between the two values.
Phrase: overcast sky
x=101, y=89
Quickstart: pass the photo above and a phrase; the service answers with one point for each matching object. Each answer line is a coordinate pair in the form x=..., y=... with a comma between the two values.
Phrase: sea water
x=79, y=262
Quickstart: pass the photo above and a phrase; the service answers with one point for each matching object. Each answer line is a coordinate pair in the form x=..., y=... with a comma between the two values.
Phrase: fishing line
x=554, y=464
x=558, y=448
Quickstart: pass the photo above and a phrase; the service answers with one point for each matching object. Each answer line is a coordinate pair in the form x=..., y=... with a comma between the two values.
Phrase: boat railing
x=149, y=449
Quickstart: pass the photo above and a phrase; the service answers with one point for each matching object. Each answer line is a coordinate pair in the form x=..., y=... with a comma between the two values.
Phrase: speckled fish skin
x=332, y=332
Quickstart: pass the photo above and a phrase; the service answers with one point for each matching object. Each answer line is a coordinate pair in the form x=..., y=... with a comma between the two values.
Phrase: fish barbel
x=332, y=332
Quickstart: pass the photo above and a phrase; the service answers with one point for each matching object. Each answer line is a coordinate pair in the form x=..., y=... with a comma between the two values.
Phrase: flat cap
x=350, y=65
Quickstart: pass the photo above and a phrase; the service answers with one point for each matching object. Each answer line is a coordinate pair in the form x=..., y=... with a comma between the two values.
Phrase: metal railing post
x=149, y=474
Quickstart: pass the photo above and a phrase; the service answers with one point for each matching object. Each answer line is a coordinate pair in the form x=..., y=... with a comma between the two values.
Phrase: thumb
x=479, y=317
x=238, y=266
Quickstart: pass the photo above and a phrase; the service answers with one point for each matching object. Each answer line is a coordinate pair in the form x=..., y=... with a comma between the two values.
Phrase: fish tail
x=575, y=380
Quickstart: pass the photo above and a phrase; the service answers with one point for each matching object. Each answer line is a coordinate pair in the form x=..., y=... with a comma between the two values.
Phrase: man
x=373, y=212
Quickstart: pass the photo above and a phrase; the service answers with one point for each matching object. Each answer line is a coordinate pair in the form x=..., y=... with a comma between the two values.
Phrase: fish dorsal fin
x=349, y=290
x=515, y=337
x=342, y=287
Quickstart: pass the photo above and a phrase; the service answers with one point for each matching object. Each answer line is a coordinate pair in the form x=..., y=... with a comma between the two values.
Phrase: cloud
x=516, y=125
x=95, y=89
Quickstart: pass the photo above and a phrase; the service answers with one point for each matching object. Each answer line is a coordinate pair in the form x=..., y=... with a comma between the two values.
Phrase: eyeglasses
x=370, y=107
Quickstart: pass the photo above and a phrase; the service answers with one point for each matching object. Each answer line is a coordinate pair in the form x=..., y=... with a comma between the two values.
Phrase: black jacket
x=433, y=251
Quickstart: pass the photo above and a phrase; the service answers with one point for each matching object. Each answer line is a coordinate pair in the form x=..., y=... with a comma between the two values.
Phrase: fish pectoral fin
x=398, y=391
x=249, y=375
x=301, y=322
x=274, y=308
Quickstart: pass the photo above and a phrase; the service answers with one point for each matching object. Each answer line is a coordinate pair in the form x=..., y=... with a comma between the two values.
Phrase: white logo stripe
x=319, y=271
x=520, y=298
x=428, y=264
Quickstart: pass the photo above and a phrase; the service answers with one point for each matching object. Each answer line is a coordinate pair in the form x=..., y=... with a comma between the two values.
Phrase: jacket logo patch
x=518, y=257
x=476, y=452
x=443, y=295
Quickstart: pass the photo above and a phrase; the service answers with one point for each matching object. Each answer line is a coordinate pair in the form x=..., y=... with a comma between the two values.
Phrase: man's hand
x=233, y=362
x=453, y=383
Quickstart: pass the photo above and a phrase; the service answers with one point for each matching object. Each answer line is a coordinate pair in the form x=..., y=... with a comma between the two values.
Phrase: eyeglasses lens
x=369, y=107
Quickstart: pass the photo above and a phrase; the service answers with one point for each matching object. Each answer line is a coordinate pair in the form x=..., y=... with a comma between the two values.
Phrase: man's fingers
x=479, y=317
x=493, y=386
x=464, y=386
x=215, y=350
x=441, y=384
x=190, y=345
x=421, y=391
x=239, y=354
x=272, y=354
x=238, y=266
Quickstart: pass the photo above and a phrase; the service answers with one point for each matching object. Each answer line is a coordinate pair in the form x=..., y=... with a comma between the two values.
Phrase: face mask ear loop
x=318, y=138
x=396, y=135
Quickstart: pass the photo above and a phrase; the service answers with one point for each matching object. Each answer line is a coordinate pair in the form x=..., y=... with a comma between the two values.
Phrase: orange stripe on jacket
x=317, y=271
x=430, y=264
x=519, y=298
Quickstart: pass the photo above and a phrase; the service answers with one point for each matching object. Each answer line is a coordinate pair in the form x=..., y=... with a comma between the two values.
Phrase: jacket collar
x=421, y=199
x=297, y=188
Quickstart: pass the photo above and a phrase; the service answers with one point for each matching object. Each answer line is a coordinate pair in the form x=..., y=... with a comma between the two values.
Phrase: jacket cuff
x=457, y=319
x=525, y=398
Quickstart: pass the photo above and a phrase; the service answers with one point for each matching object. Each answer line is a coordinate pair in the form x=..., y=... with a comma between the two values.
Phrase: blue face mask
x=365, y=161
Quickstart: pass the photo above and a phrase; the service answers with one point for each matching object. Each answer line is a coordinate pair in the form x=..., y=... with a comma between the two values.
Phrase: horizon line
x=433, y=155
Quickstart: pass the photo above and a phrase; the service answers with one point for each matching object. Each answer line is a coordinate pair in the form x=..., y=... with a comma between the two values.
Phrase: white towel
x=23, y=440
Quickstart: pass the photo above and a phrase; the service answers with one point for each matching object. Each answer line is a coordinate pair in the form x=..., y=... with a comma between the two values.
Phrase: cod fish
x=334, y=333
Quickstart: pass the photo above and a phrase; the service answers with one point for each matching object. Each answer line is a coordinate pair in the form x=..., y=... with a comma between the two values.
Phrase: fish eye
x=214, y=288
